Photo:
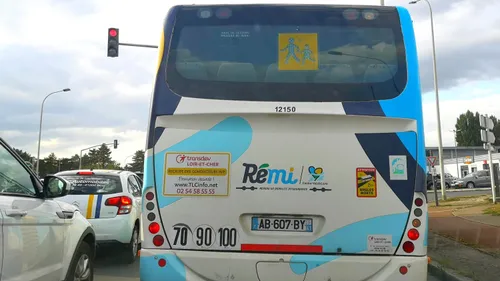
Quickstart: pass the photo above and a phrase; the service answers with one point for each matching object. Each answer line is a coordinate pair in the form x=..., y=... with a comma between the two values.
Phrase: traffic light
x=115, y=144
x=113, y=42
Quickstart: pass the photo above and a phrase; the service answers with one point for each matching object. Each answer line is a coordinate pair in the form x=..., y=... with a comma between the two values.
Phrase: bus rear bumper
x=202, y=266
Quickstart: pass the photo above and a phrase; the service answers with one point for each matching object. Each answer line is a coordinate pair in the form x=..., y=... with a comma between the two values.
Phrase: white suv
x=111, y=202
x=42, y=239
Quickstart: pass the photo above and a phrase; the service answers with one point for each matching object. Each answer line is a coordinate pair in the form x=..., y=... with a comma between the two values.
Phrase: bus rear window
x=94, y=184
x=287, y=53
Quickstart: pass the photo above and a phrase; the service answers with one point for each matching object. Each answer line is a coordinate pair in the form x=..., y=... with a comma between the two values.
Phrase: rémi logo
x=264, y=174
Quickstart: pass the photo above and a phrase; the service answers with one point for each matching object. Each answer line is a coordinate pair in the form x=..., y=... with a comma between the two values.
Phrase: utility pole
x=488, y=138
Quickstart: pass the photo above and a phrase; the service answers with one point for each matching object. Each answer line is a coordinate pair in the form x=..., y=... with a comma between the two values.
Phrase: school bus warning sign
x=366, y=182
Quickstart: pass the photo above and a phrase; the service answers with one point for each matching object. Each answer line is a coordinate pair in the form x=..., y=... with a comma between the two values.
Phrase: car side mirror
x=54, y=186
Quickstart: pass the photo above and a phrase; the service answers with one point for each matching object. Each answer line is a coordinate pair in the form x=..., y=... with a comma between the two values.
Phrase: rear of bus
x=285, y=143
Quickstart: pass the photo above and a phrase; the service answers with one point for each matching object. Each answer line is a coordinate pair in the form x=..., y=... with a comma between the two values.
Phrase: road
x=109, y=268
x=462, y=192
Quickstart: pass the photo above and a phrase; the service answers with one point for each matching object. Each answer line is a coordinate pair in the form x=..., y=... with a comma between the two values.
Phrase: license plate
x=282, y=224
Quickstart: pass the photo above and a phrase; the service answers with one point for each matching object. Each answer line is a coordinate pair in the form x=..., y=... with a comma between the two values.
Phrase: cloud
x=474, y=96
x=47, y=45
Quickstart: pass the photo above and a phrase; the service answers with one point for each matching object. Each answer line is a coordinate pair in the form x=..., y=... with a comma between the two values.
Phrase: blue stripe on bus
x=233, y=134
x=371, y=108
x=98, y=206
x=410, y=99
x=165, y=101
x=174, y=269
x=352, y=238
x=378, y=147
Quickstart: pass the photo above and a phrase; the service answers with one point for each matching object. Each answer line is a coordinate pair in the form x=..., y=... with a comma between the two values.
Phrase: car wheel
x=133, y=246
x=82, y=265
x=470, y=185
x=447, y=185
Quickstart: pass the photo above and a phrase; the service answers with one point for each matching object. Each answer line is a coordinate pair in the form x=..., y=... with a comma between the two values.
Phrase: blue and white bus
x=285, y=143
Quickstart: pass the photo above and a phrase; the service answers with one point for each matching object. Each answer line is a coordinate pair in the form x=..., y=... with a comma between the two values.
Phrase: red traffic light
x=113, y=32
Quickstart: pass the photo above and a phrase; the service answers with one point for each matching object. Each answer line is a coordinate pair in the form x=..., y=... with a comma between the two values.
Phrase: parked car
x=111, y=201
x=448, y=180
x=43, y=239
x=472, y=180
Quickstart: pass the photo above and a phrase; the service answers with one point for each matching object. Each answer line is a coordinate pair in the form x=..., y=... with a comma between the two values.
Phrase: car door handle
x=15, y=213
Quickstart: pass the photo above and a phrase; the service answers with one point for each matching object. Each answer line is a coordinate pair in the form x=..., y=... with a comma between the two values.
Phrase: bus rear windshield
x=287, y=53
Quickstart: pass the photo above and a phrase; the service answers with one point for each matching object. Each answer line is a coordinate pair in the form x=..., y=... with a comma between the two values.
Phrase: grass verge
x=493, y=210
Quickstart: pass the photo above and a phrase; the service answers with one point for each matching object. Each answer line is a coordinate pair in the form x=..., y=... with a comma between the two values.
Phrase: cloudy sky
x=47, y=45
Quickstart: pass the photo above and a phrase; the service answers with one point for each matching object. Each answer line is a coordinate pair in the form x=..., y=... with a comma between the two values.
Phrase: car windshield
x=95, y=184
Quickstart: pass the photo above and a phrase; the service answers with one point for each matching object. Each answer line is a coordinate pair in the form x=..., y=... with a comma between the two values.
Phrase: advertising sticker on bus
x=196, y=174
x=298, y=51
x=366, y=182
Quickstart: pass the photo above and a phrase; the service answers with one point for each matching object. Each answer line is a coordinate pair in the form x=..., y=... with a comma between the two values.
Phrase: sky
x=48, y=45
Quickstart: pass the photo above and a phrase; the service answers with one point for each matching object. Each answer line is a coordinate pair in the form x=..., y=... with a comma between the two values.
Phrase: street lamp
x=40, y=129
x=440, y=139
x=125, y=162
x=456, y=151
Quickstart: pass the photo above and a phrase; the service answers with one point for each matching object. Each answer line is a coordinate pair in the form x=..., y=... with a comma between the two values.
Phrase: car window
x=94, y=184
x=14, y=178
x=134, y=186
x=139, y=180
x=481, y=174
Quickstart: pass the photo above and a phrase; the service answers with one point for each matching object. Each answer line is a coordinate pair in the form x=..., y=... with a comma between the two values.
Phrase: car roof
x=98, y=172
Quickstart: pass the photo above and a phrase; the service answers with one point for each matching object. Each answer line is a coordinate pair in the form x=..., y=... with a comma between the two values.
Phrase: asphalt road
x=458, y=193
x=110, y=268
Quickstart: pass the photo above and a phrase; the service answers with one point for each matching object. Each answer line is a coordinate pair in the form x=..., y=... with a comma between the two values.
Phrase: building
x=460, y=161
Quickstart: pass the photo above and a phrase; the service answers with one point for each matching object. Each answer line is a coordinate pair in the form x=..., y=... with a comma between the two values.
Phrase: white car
x=41, y=239
x=111, y=202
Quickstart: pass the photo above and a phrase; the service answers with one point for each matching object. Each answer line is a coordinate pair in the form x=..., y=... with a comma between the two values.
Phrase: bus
x=285, y=142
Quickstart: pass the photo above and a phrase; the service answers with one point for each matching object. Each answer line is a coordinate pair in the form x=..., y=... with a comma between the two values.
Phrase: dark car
x=448, y=180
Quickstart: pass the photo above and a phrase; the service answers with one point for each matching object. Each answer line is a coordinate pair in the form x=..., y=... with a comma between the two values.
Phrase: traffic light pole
x=115, y=143
x=138, y=45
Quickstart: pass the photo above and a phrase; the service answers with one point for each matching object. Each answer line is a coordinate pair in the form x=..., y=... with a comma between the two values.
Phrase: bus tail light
x=123, y=203
x=413, y=234
x=408, y=247
x=419, y=202
x=158, y=240
x=154, y=228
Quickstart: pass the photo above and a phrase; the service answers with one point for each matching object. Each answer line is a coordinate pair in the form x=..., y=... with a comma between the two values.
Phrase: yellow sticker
x=196, y=174
x=298, y=51
x=366, y=182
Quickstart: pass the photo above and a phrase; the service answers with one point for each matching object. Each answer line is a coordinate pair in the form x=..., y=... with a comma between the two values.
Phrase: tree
x=468, y=129
x=137, y=161
x=496, y=130
x=24, y=155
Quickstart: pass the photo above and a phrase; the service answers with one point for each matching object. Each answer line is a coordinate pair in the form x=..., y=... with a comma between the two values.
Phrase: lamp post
x=125, y=162
x=40, y=129
x=436, y=88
